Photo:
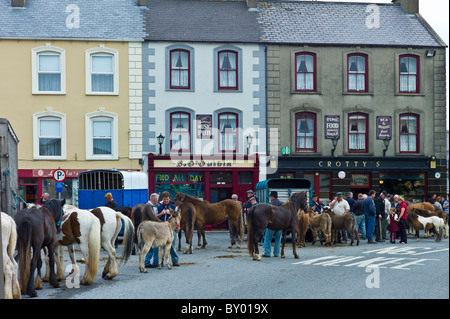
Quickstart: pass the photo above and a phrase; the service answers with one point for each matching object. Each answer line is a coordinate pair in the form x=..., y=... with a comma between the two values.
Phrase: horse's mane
x=197, y=201
x=52, y=205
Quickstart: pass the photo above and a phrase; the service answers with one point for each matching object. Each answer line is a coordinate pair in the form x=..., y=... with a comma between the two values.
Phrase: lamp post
x=334, y=141
x=249, y=142
x=160, y=139
x=386, y=145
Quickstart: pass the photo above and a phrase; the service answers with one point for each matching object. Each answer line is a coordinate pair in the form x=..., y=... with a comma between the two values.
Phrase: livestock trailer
x=285, y=187
x=127, y=187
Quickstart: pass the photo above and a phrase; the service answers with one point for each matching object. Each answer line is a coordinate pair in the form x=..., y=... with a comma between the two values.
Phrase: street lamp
x=386, y=145
x=334, y=141
x=160, y=139
x=249, y=142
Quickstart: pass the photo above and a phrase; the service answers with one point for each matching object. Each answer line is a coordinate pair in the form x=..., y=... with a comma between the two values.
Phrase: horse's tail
x=250, y=245
x=140, y=239
x=24, y=247
x=12, y=239
x=189, y=223
x=128, y=237
x=440, y=230
x=241, y=224
x=94, y=248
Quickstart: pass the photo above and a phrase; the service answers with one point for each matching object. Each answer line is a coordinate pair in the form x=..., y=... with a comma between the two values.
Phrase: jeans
x=153, y=252
x=361, y=225
x=268, y=242
x=370, y=227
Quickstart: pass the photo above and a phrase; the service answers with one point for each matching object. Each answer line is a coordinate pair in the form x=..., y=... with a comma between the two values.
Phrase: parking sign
x=59, y=175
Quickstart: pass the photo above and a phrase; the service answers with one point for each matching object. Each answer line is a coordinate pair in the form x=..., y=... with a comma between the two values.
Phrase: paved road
x=416, y=270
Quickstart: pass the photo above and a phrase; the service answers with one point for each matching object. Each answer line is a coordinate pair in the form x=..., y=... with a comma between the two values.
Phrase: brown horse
x=343, y=223
x=302, y=227
x=262, y=216
x=440, y=213
x=214, y=214
x=37, y=228
x=320, y=223
x=188, y=215
x=424, y=205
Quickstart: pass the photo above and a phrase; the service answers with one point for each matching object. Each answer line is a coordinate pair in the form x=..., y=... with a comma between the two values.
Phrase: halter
x=60, y=217
x=184, y=196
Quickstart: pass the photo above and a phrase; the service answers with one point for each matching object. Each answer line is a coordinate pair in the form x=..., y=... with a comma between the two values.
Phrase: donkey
x=157, y=234
x=302, y=227
x=342, y=223
x=320, y=223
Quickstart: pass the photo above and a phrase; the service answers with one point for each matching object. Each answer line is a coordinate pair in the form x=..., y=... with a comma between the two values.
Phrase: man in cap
x=269, y=233
x=340, y=206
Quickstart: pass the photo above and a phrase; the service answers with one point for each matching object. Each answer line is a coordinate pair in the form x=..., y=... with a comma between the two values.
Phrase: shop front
x=213, y=179
x=411, y=177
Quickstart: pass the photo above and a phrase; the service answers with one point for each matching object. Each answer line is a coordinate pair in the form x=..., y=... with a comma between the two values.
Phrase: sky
x=436, y=14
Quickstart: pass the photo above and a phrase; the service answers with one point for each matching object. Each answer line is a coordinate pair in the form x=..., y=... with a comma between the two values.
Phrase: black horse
x=37, y=228
x=284, y=217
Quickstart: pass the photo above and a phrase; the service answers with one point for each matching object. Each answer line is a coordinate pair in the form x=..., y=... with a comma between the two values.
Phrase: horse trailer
x=285, y=187
x=128, y=188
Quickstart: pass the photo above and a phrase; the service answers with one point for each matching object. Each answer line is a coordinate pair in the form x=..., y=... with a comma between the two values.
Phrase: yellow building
x=72, y=92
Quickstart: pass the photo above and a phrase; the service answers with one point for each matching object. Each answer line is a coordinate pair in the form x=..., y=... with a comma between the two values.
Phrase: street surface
x=418, y=270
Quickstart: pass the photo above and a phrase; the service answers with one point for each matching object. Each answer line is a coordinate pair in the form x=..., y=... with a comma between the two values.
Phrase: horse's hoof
x=283, y=256
x=143, y=270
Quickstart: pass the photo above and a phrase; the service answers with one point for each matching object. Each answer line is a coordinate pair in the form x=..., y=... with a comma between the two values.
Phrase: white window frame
x=36, y=125
x=103, y=115
x=88, y=59
x=35, y=68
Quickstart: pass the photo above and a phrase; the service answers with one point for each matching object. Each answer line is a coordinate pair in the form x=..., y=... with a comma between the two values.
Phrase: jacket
x=369, y=207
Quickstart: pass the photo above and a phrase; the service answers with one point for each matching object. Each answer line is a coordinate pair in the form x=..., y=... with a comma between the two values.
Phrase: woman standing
x=402, y=220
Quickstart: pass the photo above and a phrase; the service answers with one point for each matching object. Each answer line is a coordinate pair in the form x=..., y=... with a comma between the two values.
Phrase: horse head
x=299, y=201
x=178, y=198
x=56, y=208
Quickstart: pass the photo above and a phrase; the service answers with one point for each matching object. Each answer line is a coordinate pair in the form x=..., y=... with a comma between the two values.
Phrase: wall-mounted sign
x=341, y=175
x=384, y=127
x=332, y=127
x=203, y=125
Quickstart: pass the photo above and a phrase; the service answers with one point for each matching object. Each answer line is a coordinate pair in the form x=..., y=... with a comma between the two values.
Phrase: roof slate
x=341, y=23
x=201, y=20
x=99, y=19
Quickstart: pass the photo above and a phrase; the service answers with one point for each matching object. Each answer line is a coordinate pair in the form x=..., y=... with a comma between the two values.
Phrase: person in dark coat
x=381, y=215
x=111, y=203
x=267, y=245
x=370, y=214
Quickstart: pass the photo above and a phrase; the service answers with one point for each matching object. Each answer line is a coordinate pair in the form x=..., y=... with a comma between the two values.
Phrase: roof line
x=73, y=39
x=431, y=30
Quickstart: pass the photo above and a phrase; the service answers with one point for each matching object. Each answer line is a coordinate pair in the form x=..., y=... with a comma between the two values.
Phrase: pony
x=440, y=213
x=213, y=214
x=262, y=216
x=320, y=223
x=82, y=227
x=138, y=212
x=302, y=227
x=157, y=234
x=344, y=223
x=37, y=228
x=110, y=225
x=10, y=267
x=426, y=223
x=188, y=216
x=424, y=205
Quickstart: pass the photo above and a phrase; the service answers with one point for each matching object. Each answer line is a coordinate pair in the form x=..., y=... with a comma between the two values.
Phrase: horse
x=320, y=223
x=440, y=213
x=213, y=214
x=81, y=227
x=157, y=234
x=426, y=223
x=262, y=216
x=110, y=225
x=10, y=267
x=343, y=223
x=188, y=216
x=424, y=205
x=302, y=227
x=37, y=228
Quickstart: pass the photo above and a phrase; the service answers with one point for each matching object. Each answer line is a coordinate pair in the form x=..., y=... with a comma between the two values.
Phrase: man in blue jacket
x=370, y=213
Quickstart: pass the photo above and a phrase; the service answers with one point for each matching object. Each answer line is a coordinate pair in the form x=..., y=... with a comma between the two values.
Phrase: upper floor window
x=357, y=73
x=101, y=136
x=48, y=65
x=102, y=70
x=180, y=129
x=49, y=137
x=228, y=70
x=179, y=69
x=228, y=126
x=409, y=133
x=357, y=133
x=409, y=74
x=305, y=132
x=305, y=72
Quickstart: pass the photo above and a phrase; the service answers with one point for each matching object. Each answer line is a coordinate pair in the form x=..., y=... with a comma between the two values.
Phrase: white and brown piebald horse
x=111, y=223
x=81, y=227
x=10, y=267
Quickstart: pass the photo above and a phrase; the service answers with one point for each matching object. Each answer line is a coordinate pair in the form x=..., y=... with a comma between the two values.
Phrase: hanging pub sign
x=384, y=127
x=203, y=125
x=332, y=127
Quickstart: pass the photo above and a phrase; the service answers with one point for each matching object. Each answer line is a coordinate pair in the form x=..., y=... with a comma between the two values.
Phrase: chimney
x=142, y=2
x=252, y=4
x=410, y=6
x=18, y=3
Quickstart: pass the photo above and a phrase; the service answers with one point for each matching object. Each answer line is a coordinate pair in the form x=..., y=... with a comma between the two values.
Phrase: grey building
x=358, y=94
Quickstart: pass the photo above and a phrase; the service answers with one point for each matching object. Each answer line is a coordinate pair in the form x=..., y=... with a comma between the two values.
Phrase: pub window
x=409, y=74
x=180, y=128
x=228, y=70
x=305, y=72
x=228, y=126
x=305, y=132
x=409, y=136
x=357, y=73
x=179, y=69
x=357, y=133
